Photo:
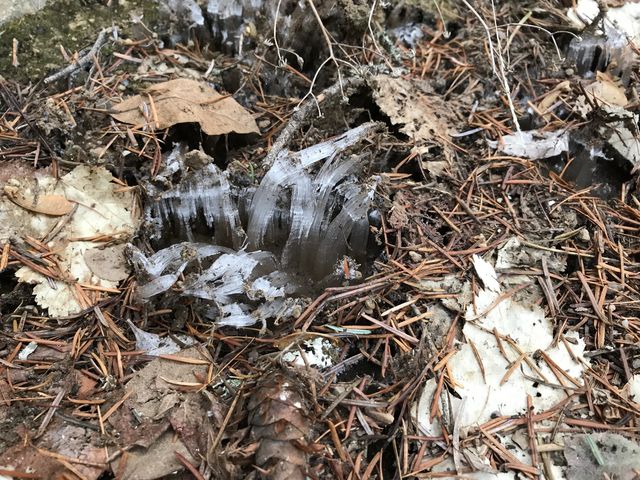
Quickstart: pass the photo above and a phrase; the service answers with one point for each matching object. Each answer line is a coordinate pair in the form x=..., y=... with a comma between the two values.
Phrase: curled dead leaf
x=54, y=205
x=603, y=91
x=552, y=97
x=422, y=116
x=186, y=101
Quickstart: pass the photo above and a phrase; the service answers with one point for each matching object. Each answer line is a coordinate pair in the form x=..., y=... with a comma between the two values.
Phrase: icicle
x=160, y=284
x=235, y=315
x=313, y=218
x=301, y=211
x=203, y=199
x=155, y=345
x=173, y=255
x=338, y=235
x=288, y=167
x=598, y=53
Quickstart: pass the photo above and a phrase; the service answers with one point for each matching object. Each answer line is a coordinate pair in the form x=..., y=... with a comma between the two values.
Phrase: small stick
x=533, y=444
x=189, y=466
x=594, y=303
x=82, y=61
x=14, y=53
x=298, y=118
x=216, y=441
x=4, y=258
x=52, y=409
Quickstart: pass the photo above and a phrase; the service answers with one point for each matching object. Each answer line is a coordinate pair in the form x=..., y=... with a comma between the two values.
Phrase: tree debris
x=101, y=213
x=278, y=415
x=374, y=261
x=185, y=101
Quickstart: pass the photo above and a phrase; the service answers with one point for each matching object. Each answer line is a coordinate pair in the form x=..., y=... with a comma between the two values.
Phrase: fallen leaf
x=108, y=263
x=533, y=144
x=186, y=101
x=54, y=205
x=624, y=140
x=166, y=419
x=485, y=378
x=101, y=209
x=423, y=116
x=157, y=461
x=550, y=98
x=603, y=91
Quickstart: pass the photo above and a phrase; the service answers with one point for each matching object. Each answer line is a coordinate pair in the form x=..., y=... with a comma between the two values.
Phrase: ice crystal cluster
x=598, y=53
x=241, y=287
x=247, y=250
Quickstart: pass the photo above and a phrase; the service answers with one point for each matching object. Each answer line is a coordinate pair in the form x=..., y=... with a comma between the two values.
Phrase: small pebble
x=584, y=236
x=415, y=256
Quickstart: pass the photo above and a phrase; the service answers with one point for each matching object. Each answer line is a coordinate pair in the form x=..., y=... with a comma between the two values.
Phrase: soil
x=41, y=34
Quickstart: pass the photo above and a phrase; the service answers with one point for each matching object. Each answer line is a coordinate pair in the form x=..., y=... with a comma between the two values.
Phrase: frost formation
x=246, y=251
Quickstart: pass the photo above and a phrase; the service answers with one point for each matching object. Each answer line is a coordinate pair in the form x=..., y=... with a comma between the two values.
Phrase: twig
x=503, y=74
x=52, y=409
x=14, y=53
x=216, y=441
x=84, y=60
x=298, y=119
x=325, y=34
x=281, y=62
x=373, y=37
x=500, y=70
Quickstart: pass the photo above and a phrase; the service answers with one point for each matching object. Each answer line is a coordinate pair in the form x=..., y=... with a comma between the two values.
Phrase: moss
x=74, y=24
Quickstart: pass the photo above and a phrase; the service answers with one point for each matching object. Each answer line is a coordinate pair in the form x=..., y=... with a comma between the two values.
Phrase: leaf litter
x=95, y=212
x=493, y=371
x=185, y=101
x=407, y=285
x=164, y=411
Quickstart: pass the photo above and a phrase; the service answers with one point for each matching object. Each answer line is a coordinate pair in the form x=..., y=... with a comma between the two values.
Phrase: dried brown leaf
x=186, y=101
x=166, y=419
x=603, y=91
x=552, y=97
x=423, y=116
x=54, y=205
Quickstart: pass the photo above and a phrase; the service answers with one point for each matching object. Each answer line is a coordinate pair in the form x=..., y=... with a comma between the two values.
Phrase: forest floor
x=326, y=240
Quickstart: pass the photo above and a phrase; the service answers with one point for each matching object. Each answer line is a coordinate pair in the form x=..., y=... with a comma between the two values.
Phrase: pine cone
x=280, y=425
